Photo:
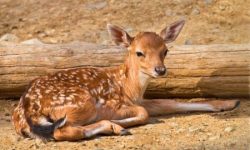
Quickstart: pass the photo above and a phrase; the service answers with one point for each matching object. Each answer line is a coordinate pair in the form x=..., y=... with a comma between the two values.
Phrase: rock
x=97, y=5
x=214, y=138
x=229, y=129
x=180, y=130
x=188, y=42
x=50, y=31
x=53, y=41
x=32, y=41
x=222, y=7
x=184, y=3
x=173, y=124
x=42, y=34
x=208, y=2
x=195, y=11
x=194, y=129
x=9, y=38
x=209, y=133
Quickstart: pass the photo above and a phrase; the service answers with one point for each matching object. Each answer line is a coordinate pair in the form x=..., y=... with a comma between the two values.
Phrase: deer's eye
x=165, y=53
x=140, y=54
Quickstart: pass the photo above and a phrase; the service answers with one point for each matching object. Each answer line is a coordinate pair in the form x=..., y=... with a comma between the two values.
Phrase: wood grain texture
x=193, y=70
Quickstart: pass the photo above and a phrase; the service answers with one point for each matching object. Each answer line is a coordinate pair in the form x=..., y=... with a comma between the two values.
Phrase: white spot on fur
x=40, y=96
x=54, y=98
x=47, y=91
x=68, y=98
x=61, y=98
x=100, y=102
x=43, y=121
x=72, y=96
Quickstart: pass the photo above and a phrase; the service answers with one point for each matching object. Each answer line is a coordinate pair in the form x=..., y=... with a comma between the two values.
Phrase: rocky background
x=62, y=21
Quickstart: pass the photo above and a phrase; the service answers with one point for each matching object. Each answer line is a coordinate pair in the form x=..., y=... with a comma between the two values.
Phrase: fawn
x=83, y=102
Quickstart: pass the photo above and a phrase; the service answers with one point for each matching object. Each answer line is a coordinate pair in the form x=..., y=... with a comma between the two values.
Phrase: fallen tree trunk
x=193, y=70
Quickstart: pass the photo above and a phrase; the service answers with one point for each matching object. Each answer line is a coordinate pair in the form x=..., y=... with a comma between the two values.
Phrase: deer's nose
x=160, y=70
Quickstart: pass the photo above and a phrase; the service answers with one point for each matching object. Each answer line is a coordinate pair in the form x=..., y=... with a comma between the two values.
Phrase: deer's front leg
x=164, y=106
x=128, y=116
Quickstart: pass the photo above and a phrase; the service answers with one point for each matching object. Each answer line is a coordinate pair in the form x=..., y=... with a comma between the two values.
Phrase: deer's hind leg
x=73, y=133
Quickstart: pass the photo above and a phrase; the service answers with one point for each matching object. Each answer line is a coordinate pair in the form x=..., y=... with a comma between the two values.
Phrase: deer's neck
x=135, y=82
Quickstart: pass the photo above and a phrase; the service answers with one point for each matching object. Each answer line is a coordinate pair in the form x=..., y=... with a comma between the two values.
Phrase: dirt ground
x=225, y=130
x=207, y=22
x=60, y=21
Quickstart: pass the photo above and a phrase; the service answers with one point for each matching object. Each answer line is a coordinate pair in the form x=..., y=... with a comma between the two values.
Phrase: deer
x=80, y=103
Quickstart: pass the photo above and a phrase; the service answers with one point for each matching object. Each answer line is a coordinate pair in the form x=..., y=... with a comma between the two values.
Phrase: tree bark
x=193, y=70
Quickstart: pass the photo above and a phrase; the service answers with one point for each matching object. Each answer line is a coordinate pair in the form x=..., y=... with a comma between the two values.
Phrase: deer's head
x=147, y=50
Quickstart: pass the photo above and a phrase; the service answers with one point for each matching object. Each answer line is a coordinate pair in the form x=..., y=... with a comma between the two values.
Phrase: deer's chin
x=156, y=75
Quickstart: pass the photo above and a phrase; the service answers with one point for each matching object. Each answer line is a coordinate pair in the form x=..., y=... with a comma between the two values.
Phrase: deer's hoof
x=125, y=132
x=230, y=105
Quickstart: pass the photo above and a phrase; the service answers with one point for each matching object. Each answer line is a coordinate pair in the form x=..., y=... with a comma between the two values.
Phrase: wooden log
x=193, y=70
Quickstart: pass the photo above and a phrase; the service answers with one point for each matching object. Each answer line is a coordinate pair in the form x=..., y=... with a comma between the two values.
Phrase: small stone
x=222, y=7
x=50, y=31
x=53, y=41
x=214, y=138
x=34, y=41
x=193, y=129
x=209, y=133
x=195, y=11
x=173, y=124
x=9, y=38
x=42, y=34
x=208, y=2
x=180, y=130
x=229, y=129
x=97, y=5
x=188, y=42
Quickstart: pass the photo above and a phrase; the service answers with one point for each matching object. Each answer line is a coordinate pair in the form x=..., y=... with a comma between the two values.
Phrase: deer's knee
x=142, y=115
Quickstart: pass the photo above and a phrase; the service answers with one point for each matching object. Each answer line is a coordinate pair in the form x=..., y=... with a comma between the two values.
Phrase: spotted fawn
x=80, y=103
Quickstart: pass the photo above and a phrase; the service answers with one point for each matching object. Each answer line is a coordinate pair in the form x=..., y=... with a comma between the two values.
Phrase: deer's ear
x=170, y=33
x=119, y=36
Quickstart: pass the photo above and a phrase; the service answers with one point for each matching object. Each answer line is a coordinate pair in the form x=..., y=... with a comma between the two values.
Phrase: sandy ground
x=60, y=21
x=207, y=22
x=225, y=130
